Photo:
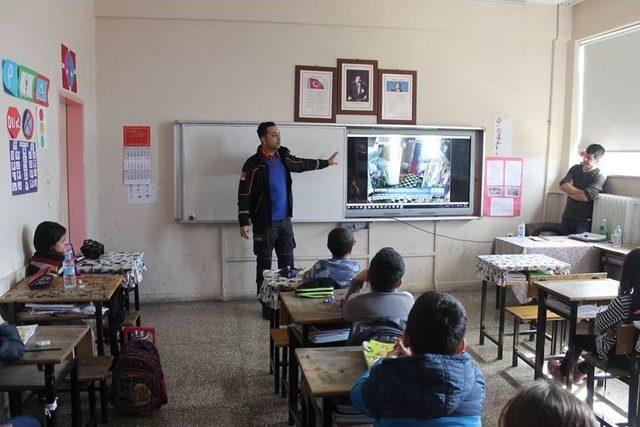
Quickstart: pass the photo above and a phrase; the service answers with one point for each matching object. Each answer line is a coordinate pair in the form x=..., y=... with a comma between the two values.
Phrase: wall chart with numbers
x=24, y=167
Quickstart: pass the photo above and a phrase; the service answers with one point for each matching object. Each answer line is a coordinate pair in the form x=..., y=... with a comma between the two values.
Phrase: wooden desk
x=306, y=312
x=572, y=293
x=97, y=289
x=330, y=372
x=64, y=339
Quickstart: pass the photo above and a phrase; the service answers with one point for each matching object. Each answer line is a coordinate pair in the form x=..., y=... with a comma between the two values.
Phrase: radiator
x=618, y=210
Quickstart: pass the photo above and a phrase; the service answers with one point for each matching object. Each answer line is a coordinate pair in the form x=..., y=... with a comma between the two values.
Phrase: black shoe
x=266, y=312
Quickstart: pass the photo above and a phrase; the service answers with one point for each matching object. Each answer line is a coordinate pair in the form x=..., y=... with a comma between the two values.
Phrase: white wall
x=159, y=61
x=31, y=33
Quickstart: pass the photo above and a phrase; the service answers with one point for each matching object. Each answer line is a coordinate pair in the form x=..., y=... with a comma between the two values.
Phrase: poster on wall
x=315, y=97
x=13, y=122
x=69, y=69
x=10, y=76
x=28, y=124
x=502, y=136
x=41, y=127
x=24, y=167
x=41, y=96
x=142, y=193
x=502, y=195
x=27, y=78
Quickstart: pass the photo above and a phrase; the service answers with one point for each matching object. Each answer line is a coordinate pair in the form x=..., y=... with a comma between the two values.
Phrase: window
x=609, y=98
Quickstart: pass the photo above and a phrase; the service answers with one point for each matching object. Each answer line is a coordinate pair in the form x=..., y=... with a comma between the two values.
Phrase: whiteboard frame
x=178, y=166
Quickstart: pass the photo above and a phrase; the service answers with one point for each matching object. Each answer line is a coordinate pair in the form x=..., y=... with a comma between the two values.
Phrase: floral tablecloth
x=496, y=268
x=129, y=264
x=272, y=285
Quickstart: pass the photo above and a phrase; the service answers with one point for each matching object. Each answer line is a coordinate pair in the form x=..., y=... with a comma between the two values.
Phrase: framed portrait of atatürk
x=357, y=82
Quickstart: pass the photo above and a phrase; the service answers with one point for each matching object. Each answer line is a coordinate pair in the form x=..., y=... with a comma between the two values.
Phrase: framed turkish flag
x=315, y=95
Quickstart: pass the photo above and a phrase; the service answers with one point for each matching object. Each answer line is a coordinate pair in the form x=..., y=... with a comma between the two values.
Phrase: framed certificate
x=357, y=80
x=315, y=94
x=397, y=94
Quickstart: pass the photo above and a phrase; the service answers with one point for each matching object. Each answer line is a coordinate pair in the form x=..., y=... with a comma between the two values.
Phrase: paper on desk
x=26, y=332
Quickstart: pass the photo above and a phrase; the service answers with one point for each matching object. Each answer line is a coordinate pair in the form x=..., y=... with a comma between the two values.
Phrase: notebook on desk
x=588, y=237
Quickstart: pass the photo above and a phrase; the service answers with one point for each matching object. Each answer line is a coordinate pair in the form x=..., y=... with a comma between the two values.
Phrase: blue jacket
x=341, y=270
x=422, y=390
x=11, y=346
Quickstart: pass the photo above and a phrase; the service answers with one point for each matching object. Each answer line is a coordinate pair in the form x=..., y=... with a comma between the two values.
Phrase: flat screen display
x=409, y=175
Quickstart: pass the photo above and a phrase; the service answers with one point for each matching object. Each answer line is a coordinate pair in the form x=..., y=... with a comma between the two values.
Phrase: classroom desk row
x=328, y=373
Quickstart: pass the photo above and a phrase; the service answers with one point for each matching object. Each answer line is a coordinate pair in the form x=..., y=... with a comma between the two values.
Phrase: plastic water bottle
x=617, y=236
x=603, y=228
x=521, y=230
x=69, y=271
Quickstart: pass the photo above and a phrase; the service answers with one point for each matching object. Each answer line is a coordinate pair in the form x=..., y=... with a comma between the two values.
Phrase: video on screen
x=400, y=172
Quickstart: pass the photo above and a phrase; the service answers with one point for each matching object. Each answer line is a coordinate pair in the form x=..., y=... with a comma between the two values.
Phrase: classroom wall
x=159, y=61
x=31, y=33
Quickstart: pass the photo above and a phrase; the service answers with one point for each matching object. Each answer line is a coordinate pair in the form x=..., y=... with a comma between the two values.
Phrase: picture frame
x=315, y=94
x=357, y=83
x=397, y=97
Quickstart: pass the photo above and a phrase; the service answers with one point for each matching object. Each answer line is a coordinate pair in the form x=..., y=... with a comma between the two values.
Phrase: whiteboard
x=208, y=158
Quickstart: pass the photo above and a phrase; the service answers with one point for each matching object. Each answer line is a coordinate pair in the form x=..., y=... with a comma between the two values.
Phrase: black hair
x=262, y=128
x=543, y=404
x=340, y=242
x=596, y=150
x=47, y=235
x=385, y=270
x=436, y=324
x=630, y=276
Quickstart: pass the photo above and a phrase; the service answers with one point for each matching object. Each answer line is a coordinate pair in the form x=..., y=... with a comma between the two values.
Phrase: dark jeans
x=279, y=237
x=581, y=343
x=577, y=227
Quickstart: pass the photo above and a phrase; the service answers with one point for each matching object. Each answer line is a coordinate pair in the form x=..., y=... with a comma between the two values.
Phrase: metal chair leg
x=516, y=341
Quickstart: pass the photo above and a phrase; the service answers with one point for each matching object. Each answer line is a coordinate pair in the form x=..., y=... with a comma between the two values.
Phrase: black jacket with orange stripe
x=254, y=200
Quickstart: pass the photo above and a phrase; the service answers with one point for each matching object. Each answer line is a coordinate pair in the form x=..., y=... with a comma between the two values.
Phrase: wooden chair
x=529, y=313
x=625, y=346
x=280, y=338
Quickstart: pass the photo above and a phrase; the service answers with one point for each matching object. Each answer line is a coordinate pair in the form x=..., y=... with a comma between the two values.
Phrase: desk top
x=331, y=371
x=313, y=310
x=620, y=250
x=66, y=338
x=96, y=289
x=581, y=290
x=545, y=242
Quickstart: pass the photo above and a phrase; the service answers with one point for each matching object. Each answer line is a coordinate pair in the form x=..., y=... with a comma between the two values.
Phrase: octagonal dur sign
x=13, y=122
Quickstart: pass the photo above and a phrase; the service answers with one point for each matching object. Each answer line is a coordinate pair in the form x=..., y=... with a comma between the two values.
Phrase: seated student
x=606, y=322
x=384, y=301
x=433, y=382
x=543, y=404
x=11, y=346
x=339, y=268
x=49, y=241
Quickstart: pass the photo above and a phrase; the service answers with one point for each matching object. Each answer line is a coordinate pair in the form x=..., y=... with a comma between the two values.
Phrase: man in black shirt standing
x=582, y=184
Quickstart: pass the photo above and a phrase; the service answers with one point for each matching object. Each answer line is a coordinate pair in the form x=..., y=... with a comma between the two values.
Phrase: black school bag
x=382, y=330
x=138, y=386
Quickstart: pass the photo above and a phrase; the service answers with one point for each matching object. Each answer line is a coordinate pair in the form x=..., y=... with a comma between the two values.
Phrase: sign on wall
x=10, y=76
x=27, y=78
x=69, y=69
x=41, y=127
x=13, y=122
x=24, y=167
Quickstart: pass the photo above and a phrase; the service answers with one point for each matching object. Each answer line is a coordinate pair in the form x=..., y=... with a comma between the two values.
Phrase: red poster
x=137, y=136
x=13, y=122
x=502, y=190
x=69, y=69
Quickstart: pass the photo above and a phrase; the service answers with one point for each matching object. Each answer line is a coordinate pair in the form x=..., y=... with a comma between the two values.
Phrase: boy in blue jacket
x=339, y=267
x=433, y=381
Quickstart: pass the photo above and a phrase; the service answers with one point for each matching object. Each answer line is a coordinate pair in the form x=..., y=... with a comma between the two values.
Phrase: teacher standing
x=265, y=199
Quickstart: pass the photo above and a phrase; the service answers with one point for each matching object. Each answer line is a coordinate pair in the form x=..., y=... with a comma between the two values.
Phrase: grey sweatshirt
x=394, y=306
